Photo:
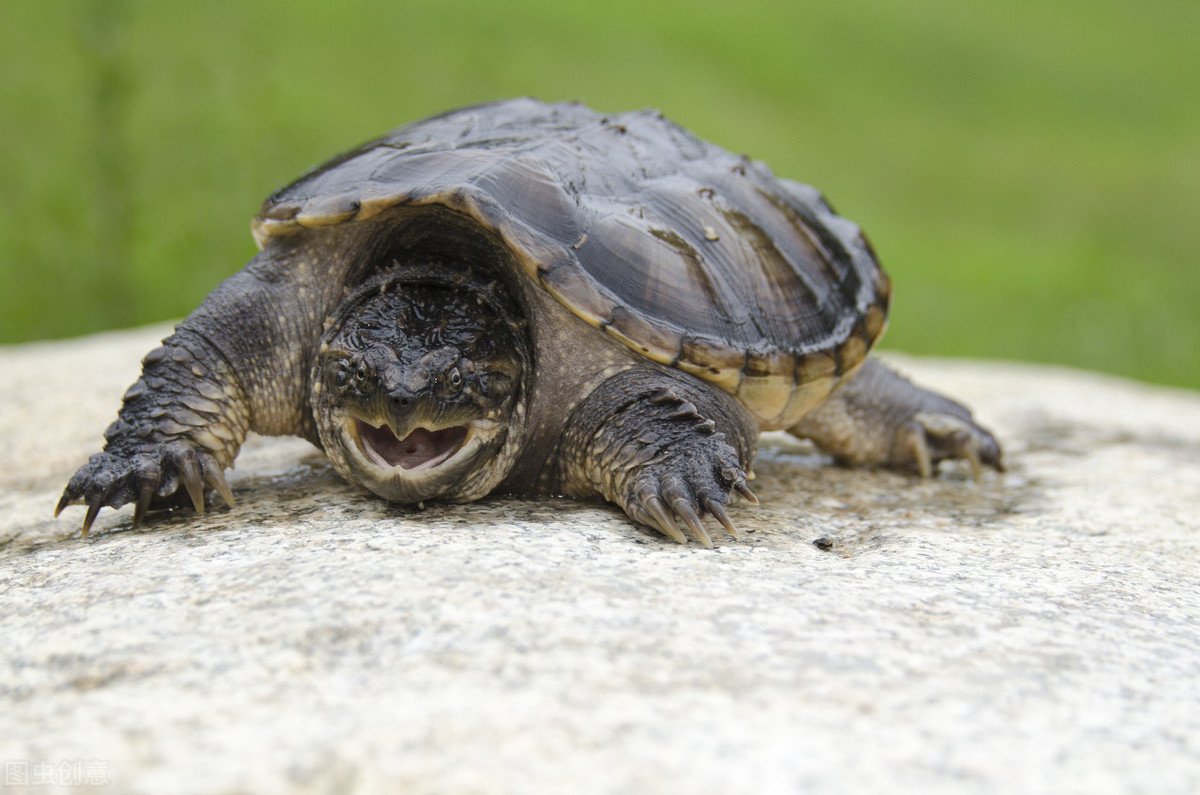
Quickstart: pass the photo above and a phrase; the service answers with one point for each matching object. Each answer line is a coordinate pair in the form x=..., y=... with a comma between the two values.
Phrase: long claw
x=139, y=510
x=63, y=502
x=965, y=449
x=214, y=477
x=741, y=488
x=718, y=511
x=919, y=448
x=92, y=511
x=657, y=510
x=690, y=518
x=189, y=473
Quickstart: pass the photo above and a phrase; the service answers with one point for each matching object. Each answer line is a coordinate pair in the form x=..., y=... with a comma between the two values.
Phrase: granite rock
x=1034, y=632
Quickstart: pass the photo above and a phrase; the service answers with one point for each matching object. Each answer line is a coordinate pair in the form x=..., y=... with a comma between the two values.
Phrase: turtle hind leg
x=667, y=451
x=880, y=418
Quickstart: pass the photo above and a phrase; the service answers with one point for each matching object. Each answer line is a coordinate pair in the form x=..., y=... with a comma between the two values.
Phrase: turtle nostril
x=401, y=402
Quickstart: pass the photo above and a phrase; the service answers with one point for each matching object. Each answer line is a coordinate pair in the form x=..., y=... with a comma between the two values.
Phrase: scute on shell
x=688, y=254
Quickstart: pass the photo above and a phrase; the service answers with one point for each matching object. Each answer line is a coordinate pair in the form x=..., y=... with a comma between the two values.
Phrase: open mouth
x=421, y=449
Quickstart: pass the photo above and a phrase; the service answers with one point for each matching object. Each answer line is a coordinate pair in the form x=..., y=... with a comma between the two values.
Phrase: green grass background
x=1029, y=171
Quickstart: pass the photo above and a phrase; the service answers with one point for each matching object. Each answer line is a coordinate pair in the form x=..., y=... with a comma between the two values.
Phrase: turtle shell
x=688, y=254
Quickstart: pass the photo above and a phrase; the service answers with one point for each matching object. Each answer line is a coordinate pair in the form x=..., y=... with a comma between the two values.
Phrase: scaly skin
x=661, y=446
x=181, y=424
x=664, y=446
x=880, y=418
x=417, y=386
x=238, y=363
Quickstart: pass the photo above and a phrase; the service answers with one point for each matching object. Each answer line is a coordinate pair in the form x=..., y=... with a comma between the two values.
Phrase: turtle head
x=417, y=388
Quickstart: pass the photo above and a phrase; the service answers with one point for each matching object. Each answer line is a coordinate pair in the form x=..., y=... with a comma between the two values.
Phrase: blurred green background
x=1028, y=171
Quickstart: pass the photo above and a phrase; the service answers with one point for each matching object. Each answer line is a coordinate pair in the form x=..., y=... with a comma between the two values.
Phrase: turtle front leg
x=880, y=418
x=239, y=363
x=180, y=424
x=666, y=450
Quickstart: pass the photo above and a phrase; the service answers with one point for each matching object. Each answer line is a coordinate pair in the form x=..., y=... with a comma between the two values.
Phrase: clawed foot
x=929, y=437
x=674, y=498
x=880, y=418
x=113, y=480
x=684, y=482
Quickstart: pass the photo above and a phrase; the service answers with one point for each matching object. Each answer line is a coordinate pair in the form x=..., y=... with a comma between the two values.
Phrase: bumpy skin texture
x=417, y=388
x=182, y=424
x=880, y=418
x=649, y=304
x=665, y=451
x=237, y=364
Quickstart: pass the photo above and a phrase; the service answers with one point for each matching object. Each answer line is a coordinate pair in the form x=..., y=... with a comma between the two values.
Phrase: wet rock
x=872, y=632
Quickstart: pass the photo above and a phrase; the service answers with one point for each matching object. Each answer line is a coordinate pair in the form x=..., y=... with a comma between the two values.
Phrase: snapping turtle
x=533, y=299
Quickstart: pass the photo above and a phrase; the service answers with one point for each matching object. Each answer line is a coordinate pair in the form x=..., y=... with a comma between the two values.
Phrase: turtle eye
x=361, y=373
x=453, y=380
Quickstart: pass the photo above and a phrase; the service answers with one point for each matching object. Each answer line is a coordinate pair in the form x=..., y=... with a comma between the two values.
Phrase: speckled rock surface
x=1038, y=632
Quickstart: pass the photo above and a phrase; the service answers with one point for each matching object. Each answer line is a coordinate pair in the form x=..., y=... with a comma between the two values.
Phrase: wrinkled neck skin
x=418, y=386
